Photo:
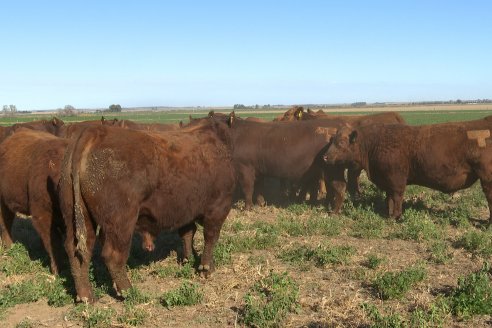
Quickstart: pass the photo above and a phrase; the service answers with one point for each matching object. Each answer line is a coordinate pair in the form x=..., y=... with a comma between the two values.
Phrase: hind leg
x=6, y=221
x=80, y=262
x=42, y=220
x=247, y=183
x=115, y=252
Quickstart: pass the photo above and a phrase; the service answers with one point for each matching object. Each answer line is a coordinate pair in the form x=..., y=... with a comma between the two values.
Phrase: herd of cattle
x=120, y=177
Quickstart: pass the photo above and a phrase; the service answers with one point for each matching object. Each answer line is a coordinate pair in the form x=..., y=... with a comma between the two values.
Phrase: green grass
x=439, y=252
x=367, y=224
x=32, y=290
x=391, y=285
x=373, y=261
x=473, y=295
x=477, y=242
x=320, y=256
x=417, y=226
x=16, y=261
x=92, y=316
x=270, y=300
x=173, y=271
x=187, y=294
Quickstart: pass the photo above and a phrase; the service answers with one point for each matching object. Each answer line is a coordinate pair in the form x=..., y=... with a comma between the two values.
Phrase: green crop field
x=170, y=117
x=283, y=265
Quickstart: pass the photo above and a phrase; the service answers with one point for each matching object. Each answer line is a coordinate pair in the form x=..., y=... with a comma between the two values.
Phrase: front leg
x=394, y=200
x=336, y=185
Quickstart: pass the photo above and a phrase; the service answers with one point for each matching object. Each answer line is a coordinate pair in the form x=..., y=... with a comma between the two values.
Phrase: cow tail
x=80, y=228
x=76, y=206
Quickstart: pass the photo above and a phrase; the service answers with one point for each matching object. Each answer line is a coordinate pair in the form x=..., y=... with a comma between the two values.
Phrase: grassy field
x=285, y=265
x=414, y=115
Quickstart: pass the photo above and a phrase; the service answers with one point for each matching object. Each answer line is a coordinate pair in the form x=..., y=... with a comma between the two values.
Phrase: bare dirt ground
x=329, y=296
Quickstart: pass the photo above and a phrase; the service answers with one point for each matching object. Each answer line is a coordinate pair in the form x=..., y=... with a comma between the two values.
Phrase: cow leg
x=6, y=221
x=187, y=233
x=394, y=201
x=80, y=262
x=353, y=182
x=247, y=182
x=115, y=252
x=487, y=190
x=336, y=185
x=212, y=223
x=42, y=221
x=259, y=191
x=321, y=188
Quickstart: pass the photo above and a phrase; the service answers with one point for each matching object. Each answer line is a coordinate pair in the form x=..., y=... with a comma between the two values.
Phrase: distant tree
x=68, y=110
x=458, y=101
x=239, y=106
x=9, y=109
x=115, y=108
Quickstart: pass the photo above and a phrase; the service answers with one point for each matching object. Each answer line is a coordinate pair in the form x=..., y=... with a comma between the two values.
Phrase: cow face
x=343, y=148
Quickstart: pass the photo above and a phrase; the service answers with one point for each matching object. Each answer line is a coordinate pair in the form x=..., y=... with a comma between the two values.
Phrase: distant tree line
x=241, y=106
x=457, y=101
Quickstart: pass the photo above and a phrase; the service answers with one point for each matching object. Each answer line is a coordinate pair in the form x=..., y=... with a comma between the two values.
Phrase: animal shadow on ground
x=167, y=242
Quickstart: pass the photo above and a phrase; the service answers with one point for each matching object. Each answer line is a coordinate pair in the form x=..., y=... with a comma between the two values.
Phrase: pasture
x=283, y=265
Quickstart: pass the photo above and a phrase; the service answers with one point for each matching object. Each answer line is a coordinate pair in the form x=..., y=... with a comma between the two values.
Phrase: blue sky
x=203, y=53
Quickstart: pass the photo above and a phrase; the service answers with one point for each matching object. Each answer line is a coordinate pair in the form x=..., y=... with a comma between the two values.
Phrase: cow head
x=344, y=147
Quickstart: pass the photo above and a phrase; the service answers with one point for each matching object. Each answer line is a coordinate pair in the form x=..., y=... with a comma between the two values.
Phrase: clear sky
x=188, y=53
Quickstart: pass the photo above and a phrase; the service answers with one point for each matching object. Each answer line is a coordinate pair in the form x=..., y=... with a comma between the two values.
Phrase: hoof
x=84, y=299
x=205, y=270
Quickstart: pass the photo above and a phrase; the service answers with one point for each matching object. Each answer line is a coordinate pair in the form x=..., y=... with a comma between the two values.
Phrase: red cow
x=113, y=177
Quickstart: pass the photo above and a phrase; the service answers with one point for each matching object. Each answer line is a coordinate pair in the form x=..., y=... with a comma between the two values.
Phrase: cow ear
x=103, y=119
x=353, y=137
x=299, y=112
x=211, y=113
x=232, y=119
x=190, y=118
x=181, y=124
x=56, y=121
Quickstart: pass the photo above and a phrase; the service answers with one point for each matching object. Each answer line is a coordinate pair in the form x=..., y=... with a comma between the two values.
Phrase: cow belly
x=447, y=183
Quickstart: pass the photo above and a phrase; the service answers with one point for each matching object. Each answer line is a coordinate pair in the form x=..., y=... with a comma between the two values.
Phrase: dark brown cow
x=297, y=113
x=446, y=157
x=71, y=129
x=167, y=180
x=29, y=171
x=52, y=126
x=289, y=151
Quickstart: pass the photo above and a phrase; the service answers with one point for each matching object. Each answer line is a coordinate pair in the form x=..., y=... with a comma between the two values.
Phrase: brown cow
x=297, y=114
x=167, y=180
x=288, y=151
x=52, y=126
x=127, y=124
x=446, y=157
x=29, y=171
